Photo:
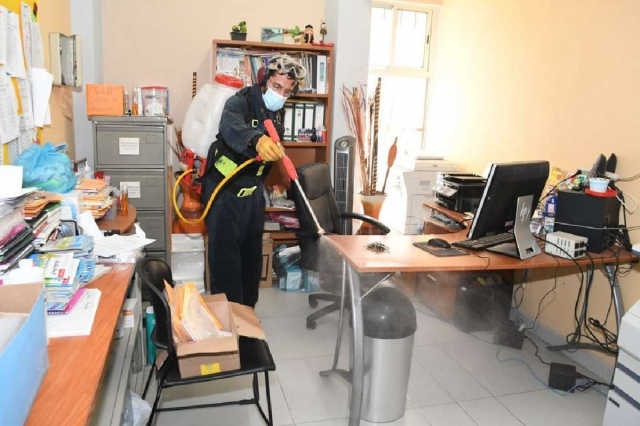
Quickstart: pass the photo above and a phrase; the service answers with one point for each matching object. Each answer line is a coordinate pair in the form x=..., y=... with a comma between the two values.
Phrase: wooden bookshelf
x=300, y=152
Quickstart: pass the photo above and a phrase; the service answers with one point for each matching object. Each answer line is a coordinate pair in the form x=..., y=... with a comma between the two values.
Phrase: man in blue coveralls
x=236, y=219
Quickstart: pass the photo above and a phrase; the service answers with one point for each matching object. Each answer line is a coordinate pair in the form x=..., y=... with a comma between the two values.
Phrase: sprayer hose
x=213, y=196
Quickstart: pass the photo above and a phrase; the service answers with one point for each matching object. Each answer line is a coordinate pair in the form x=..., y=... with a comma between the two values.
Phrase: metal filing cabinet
x=134, y=152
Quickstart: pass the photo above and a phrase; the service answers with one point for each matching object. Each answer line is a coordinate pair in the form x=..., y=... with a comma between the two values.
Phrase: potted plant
x=362, y=115
x=293, y=35
x=239, y=32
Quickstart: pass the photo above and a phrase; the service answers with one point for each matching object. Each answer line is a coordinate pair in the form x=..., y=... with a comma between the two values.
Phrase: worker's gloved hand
x=268, y=150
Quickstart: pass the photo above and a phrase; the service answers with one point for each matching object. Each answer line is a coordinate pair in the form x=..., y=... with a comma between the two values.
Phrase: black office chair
x=315, y=180
x=255, y=356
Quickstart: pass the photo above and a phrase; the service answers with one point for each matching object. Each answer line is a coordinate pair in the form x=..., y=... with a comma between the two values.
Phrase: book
x=55, y=310
x=79, y=321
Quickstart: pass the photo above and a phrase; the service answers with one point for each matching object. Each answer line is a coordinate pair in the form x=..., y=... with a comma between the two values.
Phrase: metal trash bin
x=389, y=321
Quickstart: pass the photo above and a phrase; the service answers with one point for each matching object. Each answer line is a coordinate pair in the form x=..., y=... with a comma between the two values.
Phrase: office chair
x=315, y=181
x=255, y=356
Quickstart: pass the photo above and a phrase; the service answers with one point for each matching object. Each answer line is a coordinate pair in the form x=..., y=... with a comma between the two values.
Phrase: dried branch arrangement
x=362, y=116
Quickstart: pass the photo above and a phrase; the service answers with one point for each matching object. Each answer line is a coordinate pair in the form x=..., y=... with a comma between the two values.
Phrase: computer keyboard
x=485, y=242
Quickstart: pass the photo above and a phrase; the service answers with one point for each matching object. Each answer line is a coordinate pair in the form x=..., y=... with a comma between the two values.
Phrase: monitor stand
x=525, y=245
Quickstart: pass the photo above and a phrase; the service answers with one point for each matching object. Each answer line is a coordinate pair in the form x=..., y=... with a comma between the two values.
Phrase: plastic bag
x=139, y=412
x=47, y=169
x=191, y=319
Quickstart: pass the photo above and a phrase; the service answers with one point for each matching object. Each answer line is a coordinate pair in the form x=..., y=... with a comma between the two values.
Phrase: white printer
x=623, y=402
x=409, y=186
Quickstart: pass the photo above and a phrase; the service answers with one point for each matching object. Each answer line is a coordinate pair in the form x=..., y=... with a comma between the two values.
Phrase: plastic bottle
x=151, y=323
x=124, y=202
x=87, y=173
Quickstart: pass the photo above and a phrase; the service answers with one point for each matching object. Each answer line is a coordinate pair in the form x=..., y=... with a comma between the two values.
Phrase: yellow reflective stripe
x=245, y=192
x=260, y=170
x=225, y=165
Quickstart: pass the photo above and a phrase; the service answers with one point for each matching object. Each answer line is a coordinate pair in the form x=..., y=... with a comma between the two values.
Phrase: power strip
x=565, y=245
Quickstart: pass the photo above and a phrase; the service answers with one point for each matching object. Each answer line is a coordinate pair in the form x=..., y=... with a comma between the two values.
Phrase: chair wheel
x=313, y=303
x=311, y=324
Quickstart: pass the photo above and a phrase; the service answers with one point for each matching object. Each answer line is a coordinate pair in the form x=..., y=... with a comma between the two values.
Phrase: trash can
x=389, y=321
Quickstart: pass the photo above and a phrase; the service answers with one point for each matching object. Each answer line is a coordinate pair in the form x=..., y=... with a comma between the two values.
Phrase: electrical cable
x=555, y=285
x=629, y=179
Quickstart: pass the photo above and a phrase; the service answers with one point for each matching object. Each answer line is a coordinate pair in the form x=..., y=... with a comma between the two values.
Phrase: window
x=399, y=55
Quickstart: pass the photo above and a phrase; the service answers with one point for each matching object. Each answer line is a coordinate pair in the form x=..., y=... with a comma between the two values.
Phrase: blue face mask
x=273, y=101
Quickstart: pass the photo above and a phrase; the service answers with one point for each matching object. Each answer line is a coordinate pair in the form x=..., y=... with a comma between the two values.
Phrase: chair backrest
x=153, y=273
x=315, y=180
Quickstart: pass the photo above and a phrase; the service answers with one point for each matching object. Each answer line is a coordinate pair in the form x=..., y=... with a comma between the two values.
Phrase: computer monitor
x=508, y=202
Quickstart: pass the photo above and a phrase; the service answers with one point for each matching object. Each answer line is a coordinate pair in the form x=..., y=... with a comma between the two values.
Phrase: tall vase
x=371, y=204
x=190, y=209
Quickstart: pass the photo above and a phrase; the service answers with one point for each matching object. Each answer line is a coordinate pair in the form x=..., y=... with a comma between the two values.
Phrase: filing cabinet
x=134, y=152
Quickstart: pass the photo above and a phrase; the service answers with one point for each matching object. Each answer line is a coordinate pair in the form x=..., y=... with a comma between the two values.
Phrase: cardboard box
x=266, y=276
x=23, y=350
x=105, y=99
x=130, y=311
x=216, y=355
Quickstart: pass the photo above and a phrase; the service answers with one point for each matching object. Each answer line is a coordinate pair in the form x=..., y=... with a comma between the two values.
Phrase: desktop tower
x=482, y=303
x=578, y=213
x=344, y=156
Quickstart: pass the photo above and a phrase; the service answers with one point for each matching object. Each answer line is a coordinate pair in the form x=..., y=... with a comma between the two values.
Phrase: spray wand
x=291, y=171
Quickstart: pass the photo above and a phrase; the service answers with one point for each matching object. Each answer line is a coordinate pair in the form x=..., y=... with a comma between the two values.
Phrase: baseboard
x=585, y=358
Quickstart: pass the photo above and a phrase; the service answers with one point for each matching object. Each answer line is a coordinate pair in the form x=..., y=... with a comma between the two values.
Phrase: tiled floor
x=457, y=379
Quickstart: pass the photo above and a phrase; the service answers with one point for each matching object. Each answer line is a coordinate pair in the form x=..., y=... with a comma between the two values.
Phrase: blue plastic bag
x=47, y=169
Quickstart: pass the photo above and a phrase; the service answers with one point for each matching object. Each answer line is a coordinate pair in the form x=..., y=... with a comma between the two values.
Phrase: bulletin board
x=23, y=79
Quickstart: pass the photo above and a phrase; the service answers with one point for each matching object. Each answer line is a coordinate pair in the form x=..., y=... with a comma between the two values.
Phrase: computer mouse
x=439, y=243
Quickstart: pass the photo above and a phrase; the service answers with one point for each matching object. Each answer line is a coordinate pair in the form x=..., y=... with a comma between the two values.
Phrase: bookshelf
x=300, y=152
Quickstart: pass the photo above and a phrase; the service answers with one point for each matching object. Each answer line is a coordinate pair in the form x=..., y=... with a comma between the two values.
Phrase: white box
x=130, y=311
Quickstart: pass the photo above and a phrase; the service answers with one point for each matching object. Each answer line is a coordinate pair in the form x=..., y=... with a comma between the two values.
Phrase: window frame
x=404, y=71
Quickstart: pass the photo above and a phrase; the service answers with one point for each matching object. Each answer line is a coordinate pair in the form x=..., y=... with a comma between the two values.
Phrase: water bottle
x=151, y=323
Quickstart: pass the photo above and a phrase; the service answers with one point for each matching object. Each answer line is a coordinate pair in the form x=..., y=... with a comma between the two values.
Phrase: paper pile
x=95, y=197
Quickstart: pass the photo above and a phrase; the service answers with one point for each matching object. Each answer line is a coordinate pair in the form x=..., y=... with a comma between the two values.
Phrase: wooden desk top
x=76, y=364
x=120, y=223
x=403, y=256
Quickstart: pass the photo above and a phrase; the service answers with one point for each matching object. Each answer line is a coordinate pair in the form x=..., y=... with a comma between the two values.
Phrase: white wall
x=86, y=21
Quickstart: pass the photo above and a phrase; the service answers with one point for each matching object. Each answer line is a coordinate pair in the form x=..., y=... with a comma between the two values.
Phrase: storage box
x=188, y=259
x=103, y=99
x=266, y=276
x=216, y=355
x=23, y=350
x=130, y=311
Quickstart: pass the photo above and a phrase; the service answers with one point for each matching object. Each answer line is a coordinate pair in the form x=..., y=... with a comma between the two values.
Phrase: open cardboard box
x=24, y=358
x=216, y=355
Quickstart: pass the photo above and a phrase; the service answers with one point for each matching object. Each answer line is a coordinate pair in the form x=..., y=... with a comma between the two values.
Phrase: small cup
x=598, y=184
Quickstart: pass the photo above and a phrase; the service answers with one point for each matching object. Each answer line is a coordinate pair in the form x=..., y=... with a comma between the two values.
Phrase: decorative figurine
x=323, y=30
x=308, y=34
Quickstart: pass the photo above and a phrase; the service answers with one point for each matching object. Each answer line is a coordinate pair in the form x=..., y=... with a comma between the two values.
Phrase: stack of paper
x=79, y=321
x=15, y=244
x=95, y=197
x=44, y=223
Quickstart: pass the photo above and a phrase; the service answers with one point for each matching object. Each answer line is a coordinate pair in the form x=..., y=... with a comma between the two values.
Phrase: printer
x=409, y=186
x=460, y=192
x=624, y=399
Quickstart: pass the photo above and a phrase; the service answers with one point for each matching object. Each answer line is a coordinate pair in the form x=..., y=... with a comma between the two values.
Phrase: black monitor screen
x=505, y=184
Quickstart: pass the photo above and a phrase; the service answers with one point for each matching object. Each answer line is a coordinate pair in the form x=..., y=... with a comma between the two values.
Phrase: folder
x=309, y=116
x=298, y=119
x=321, y=72
x=288, y=122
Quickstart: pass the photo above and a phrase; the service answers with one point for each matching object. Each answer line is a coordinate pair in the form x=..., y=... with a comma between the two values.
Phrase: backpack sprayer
x=197, y=166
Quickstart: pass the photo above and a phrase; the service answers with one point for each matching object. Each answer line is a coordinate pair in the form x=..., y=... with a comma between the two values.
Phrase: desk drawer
x=147, y=188
x=118, y=145
x=154, y=224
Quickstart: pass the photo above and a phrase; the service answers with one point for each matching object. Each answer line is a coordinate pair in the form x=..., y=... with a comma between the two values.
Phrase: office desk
x=404, y=257
x=76, y=364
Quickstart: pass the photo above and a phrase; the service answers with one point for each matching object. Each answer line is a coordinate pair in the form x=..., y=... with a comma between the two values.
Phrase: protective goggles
x=284, y=64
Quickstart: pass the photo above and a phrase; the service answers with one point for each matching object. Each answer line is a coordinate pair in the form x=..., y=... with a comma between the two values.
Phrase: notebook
x=55, y=310
x=79, y=321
